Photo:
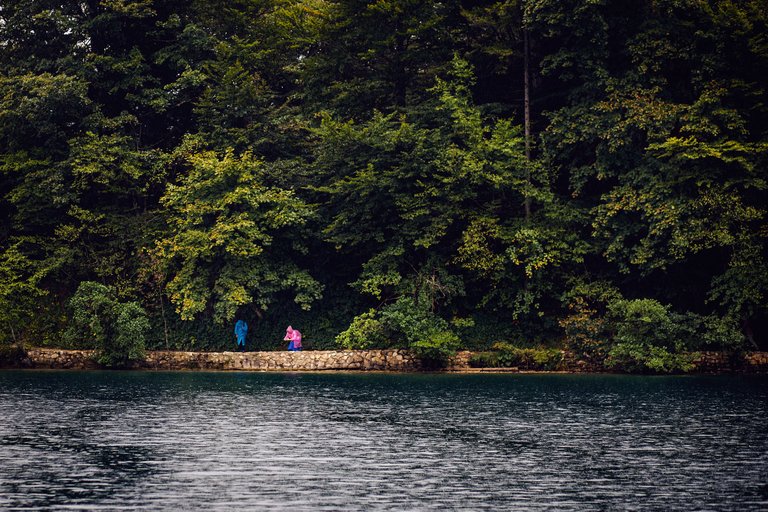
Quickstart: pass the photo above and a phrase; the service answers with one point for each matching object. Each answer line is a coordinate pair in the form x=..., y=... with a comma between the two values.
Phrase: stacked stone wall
x=324, y=360
x=61, y=359
x=315, y=360
x=715, y=362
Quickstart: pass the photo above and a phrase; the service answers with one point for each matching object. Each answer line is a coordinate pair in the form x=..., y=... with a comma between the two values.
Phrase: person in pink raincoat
x=293, y=336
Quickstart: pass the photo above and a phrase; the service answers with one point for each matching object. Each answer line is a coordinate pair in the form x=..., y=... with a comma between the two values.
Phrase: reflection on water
x=359, y=441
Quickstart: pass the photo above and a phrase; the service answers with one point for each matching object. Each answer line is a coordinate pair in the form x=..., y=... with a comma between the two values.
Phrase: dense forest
x=588, y=174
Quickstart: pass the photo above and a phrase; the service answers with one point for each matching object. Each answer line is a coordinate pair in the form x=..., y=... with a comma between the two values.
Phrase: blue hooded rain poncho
x=241, y=329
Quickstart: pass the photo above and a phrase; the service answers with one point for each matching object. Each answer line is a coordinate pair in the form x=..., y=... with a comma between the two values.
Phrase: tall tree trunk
x=165, y=322
x=527, y=114
x=401, y=75
x=747, y=327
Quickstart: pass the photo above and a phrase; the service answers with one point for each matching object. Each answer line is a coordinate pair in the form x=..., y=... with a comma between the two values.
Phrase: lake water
x=260, y=441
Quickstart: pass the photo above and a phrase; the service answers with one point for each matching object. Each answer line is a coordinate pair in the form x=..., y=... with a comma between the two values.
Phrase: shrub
x=428, y=335
x=587, y=331
x=410, y=320
x=505, y=355
x=537, y=358
x=436, y=348
x=484, y=360
x=405, y=323
x=116, y=329
x=722, y=333
x=547, y=358
x=646, y=338
x=641, y=321
x=710, y=332
x=364, y=332
x=638, y=357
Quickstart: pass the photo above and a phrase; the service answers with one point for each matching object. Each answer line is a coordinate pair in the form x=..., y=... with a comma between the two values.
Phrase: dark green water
x=366, y=442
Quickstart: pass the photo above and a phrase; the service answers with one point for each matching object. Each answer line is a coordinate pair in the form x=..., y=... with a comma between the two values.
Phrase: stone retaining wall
x=317, y=360
x=383, y=360
x=314, y=360
x=61, y=359
x=714, y=362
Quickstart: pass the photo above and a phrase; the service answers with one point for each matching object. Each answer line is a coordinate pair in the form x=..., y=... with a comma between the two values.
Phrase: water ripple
x=225, y=441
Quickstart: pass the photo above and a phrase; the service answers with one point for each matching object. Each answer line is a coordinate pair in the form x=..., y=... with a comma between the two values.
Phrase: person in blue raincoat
x=241, y=329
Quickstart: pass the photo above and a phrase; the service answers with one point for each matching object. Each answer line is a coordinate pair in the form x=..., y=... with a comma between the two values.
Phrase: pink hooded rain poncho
x=294, y=337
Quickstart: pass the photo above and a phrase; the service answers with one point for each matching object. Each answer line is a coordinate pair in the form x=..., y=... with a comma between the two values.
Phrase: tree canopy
x=534, y=172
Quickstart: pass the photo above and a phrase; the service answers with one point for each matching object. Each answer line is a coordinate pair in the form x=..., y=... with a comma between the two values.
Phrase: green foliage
x=365, y=331
x=740, y=292
x=646, y=338
x=644, y=358
x=587, y=331
x=721, y=334
x=406, y=323
x=40, y=108
x=485, y=360
x=639, y=335
x=234, y=239
x=116, y=329
x=413, y=320
x=641, y=321
x=216, y=159
x=19, y=292
x=428, y=335
x=443, y=204
x=661, y=152
x=436, y=347
x=379, y=55
x=505, y=355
